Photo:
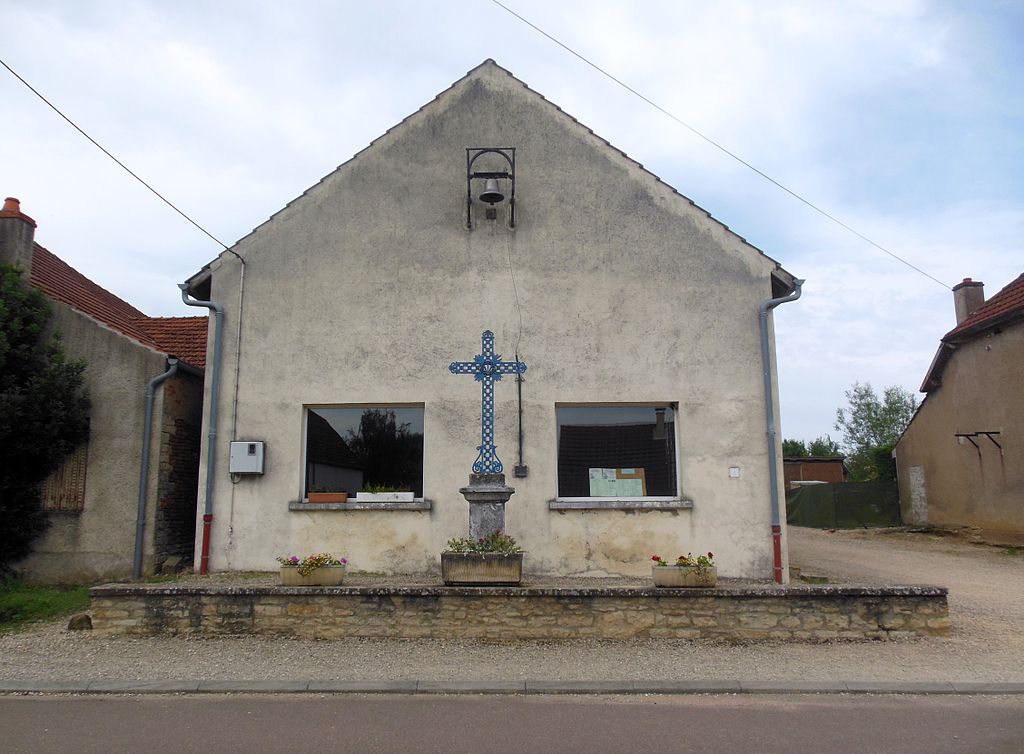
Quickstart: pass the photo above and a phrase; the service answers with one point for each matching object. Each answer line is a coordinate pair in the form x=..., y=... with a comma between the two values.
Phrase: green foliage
x=794, y=449
x=871, y=426
x=44, y=413
x=20, y=604
x=496, y=541
x=824, y=447
x=310, y=563
x=373, y=489
x=819, y=447
x=702, y=562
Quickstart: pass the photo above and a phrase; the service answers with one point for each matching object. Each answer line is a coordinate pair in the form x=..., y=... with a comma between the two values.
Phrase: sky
x=904, y=119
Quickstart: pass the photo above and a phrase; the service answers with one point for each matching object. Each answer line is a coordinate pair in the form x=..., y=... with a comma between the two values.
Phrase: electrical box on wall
x=246, y=457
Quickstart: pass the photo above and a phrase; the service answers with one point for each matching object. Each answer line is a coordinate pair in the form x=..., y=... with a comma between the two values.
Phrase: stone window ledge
x=615, y=504
x=354, y=505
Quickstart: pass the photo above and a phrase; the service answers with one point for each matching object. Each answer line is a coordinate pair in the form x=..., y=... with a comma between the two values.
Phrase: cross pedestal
x=486, y=495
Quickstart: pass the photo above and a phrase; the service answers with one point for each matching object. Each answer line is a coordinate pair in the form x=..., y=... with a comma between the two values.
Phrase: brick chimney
x=17, y=231
x=967, y=297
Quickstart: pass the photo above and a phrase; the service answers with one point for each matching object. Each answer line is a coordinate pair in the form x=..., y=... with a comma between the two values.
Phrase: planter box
x=322, y=576
x=677, y=577
x=385, y=497
x=467, y=568
x=327, y=497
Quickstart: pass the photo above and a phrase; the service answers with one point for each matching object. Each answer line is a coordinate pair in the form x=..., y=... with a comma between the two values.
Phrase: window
x=616, y=451
x=64, y=489
x=349, y=448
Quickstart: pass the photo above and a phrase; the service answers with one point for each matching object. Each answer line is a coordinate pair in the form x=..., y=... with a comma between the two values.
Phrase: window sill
x=355, y=505
x=619, y=504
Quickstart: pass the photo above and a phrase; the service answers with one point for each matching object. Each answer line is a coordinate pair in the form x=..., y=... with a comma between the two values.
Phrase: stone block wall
x=518, y=613
x=177, y=490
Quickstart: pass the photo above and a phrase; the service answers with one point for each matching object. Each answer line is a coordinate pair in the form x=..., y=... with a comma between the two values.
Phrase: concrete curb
x=507, y=687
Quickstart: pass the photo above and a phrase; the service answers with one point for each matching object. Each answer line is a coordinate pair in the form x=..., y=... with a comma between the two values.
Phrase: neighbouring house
x=798, y=470
x=960, y=462
x=94, y=497
x=641, y=425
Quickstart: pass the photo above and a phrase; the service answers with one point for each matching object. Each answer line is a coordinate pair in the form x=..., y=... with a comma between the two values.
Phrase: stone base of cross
x=486, y=495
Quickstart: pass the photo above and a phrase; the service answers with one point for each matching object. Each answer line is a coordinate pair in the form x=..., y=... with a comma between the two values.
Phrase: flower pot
x=385, y=497
x=328, y=497
x=322, y=576
x=678, y=577
x=488, y=569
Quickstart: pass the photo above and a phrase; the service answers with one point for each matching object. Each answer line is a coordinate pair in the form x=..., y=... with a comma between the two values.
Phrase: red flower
x=656, y=558
x=711, y=555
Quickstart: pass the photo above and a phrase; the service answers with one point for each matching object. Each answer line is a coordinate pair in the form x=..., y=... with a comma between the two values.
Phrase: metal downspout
x=211, y=444
x=140, y=516
x=769, y=401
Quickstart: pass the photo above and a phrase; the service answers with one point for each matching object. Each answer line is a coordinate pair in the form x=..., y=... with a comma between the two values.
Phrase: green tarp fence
x=846, y=505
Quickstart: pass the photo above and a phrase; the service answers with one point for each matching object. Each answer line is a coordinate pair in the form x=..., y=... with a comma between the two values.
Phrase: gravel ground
x=986, y=602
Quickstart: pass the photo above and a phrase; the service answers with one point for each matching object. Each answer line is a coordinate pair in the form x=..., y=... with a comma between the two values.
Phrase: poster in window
x=618, y=483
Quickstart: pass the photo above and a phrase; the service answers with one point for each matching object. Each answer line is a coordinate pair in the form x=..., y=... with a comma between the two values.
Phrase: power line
x=718, y=146
x=99, y=146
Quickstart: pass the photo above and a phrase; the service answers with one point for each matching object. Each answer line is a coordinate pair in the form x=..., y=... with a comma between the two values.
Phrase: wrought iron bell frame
x=509, y=174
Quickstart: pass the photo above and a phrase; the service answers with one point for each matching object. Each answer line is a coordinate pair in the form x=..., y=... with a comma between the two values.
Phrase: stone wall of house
x=181, y=424
x=949, y=481
x=795, y=614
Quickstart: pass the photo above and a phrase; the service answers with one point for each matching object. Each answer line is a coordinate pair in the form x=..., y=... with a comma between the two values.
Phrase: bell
x=491, y=194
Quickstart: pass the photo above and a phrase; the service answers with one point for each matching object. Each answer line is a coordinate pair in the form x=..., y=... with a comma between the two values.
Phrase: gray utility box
x=246, y=457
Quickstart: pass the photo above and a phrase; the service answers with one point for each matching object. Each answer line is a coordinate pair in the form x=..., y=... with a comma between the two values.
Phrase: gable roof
x=181, y=337
x=782, y=281
x=1002, y=309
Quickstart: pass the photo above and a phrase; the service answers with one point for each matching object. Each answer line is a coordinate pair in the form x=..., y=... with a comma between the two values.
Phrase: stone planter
x=485, y=569
x=678, y=577
x=327, y=497
x=385, y=497
x=322, y=576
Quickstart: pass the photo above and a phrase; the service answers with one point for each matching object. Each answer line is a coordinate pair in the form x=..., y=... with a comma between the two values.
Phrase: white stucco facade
x=363, y=290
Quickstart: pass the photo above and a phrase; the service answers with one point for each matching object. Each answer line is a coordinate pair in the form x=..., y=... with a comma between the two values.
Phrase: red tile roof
x=181, y=337
x=1002, y=306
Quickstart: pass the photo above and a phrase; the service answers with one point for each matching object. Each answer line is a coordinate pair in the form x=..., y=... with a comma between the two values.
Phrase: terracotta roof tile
x=182, y=337
x=1006, y=303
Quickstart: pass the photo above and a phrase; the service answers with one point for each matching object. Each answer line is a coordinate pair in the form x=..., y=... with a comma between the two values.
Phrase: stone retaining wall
x=511, y=613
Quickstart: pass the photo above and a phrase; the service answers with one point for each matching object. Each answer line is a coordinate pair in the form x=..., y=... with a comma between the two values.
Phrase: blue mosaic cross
x=486, y=368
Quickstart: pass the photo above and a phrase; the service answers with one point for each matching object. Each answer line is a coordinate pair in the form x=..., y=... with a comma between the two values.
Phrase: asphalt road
x=370, y=724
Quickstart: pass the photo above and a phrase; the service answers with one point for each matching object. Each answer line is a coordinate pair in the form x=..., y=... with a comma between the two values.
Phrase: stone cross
x=487, y=492
x=486, y=368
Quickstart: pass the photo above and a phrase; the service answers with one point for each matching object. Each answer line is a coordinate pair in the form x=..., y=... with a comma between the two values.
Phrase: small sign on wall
x=618, y=483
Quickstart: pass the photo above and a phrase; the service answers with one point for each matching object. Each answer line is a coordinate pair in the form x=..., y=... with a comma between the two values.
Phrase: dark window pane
x=352, y=448
x=628, y=451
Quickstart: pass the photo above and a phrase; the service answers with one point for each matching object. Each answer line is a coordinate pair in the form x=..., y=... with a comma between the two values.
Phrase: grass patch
x=21, y=604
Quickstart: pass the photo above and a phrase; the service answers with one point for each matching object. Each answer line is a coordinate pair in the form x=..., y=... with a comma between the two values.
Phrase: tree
x=819, y=447
x=824, y=447
x=871, y=426
x=794, y=449
x=44, y=412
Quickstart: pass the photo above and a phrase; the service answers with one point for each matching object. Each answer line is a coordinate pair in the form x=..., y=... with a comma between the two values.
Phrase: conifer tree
x=44, y=412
